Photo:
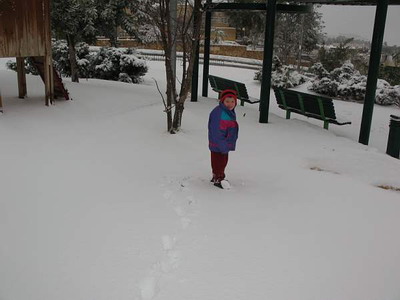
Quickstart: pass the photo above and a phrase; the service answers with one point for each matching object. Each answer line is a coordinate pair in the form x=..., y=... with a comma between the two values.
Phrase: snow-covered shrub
x=61, y=58
x=319, y=70
x=29, y=68
x=109, y=63
x=258, y=75
x=124, y=77
x=287, y=78
x=105, y=64
x=276, y=63
x=347, y=83
x=397, y=89
x=282, y=76
x=131, y=65
x=354, y=88
x=386, y=94
x=325, y=86
x=344, y=73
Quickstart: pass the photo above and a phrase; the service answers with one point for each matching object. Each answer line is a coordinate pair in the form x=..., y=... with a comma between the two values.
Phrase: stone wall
x=227, y=50
x=236, y=51
x=128, y=43
x=229, y=33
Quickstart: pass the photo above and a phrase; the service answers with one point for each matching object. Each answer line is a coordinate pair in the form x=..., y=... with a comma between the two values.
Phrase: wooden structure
x=272, y=8
x=25, y=32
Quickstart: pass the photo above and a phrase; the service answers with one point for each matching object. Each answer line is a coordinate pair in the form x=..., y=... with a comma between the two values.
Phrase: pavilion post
x=195, y=75
x=373, y=70
x=195, y=78
x=267, y=61
x=206, y=56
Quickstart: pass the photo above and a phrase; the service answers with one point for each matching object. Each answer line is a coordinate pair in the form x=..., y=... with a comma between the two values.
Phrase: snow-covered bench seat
x=219, y=84
x=312, y=106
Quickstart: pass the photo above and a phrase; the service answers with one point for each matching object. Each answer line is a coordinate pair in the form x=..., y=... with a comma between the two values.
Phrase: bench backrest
x=220, y=84
x=306, y=103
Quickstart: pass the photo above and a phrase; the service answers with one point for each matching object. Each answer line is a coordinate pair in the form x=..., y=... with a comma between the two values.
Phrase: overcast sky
x=359, y=20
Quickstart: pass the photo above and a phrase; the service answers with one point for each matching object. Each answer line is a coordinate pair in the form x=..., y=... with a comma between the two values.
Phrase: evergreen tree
x=250, y=24
x=74, y=20
x=114, y=14
x=293, y=32
x=335, y=57
x=123, y=14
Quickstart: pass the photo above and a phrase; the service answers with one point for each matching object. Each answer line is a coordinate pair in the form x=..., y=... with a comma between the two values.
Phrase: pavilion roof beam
x=345, y=2
x=282, y=8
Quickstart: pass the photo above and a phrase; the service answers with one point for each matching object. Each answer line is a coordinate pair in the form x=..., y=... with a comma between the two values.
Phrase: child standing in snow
x=222, y=135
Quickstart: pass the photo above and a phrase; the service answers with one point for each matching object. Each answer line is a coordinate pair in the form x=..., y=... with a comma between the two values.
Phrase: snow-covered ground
x=99, y=202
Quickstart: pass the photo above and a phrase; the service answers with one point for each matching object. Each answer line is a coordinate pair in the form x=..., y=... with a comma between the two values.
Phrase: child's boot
x=217, y=183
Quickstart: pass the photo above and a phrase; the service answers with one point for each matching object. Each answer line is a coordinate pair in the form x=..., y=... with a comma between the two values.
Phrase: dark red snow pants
x=218, y=163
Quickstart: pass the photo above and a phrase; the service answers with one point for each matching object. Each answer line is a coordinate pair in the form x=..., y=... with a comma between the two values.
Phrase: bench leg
x=241, y=103
x=326, y=125
x=1, y=105
x=288, y=114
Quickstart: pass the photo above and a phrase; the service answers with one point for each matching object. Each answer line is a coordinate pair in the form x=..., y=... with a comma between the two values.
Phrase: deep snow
x=99, y=202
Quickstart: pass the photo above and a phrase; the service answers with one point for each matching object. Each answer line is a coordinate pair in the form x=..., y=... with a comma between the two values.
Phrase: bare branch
x=162, y=97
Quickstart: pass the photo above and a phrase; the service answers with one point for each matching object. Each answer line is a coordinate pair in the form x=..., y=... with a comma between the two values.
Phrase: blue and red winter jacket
x=223, y=129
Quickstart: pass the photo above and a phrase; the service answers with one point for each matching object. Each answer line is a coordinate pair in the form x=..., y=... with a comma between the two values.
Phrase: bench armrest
x=253, y=100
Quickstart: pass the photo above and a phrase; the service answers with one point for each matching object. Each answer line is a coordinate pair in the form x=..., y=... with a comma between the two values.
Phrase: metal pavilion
x=299, y=6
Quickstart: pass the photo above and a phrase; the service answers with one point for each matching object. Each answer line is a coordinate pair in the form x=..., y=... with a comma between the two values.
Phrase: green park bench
x=312, y=106
x=219, y=84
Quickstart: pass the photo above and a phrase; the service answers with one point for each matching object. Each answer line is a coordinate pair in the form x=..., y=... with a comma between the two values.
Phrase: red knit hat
x=228, y=93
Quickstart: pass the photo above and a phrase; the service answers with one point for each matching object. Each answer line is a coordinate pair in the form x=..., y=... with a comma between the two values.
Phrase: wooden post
x=48, y=62
x=48, y=86
x=21, y=77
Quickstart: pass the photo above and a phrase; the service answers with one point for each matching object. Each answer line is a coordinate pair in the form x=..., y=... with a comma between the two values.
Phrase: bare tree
x=186, y=34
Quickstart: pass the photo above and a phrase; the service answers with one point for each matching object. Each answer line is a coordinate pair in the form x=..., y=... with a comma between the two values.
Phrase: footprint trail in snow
x=178, y=195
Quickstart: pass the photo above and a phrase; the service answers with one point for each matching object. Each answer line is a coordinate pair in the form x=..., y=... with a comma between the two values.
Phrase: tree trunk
x=189, y=44
x=114, y=38
x=300, y=48
x=171, y=88
x=177, y=122
x=72, y=58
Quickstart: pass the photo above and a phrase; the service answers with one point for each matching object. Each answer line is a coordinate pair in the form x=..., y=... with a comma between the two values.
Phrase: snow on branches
x=347, y=83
